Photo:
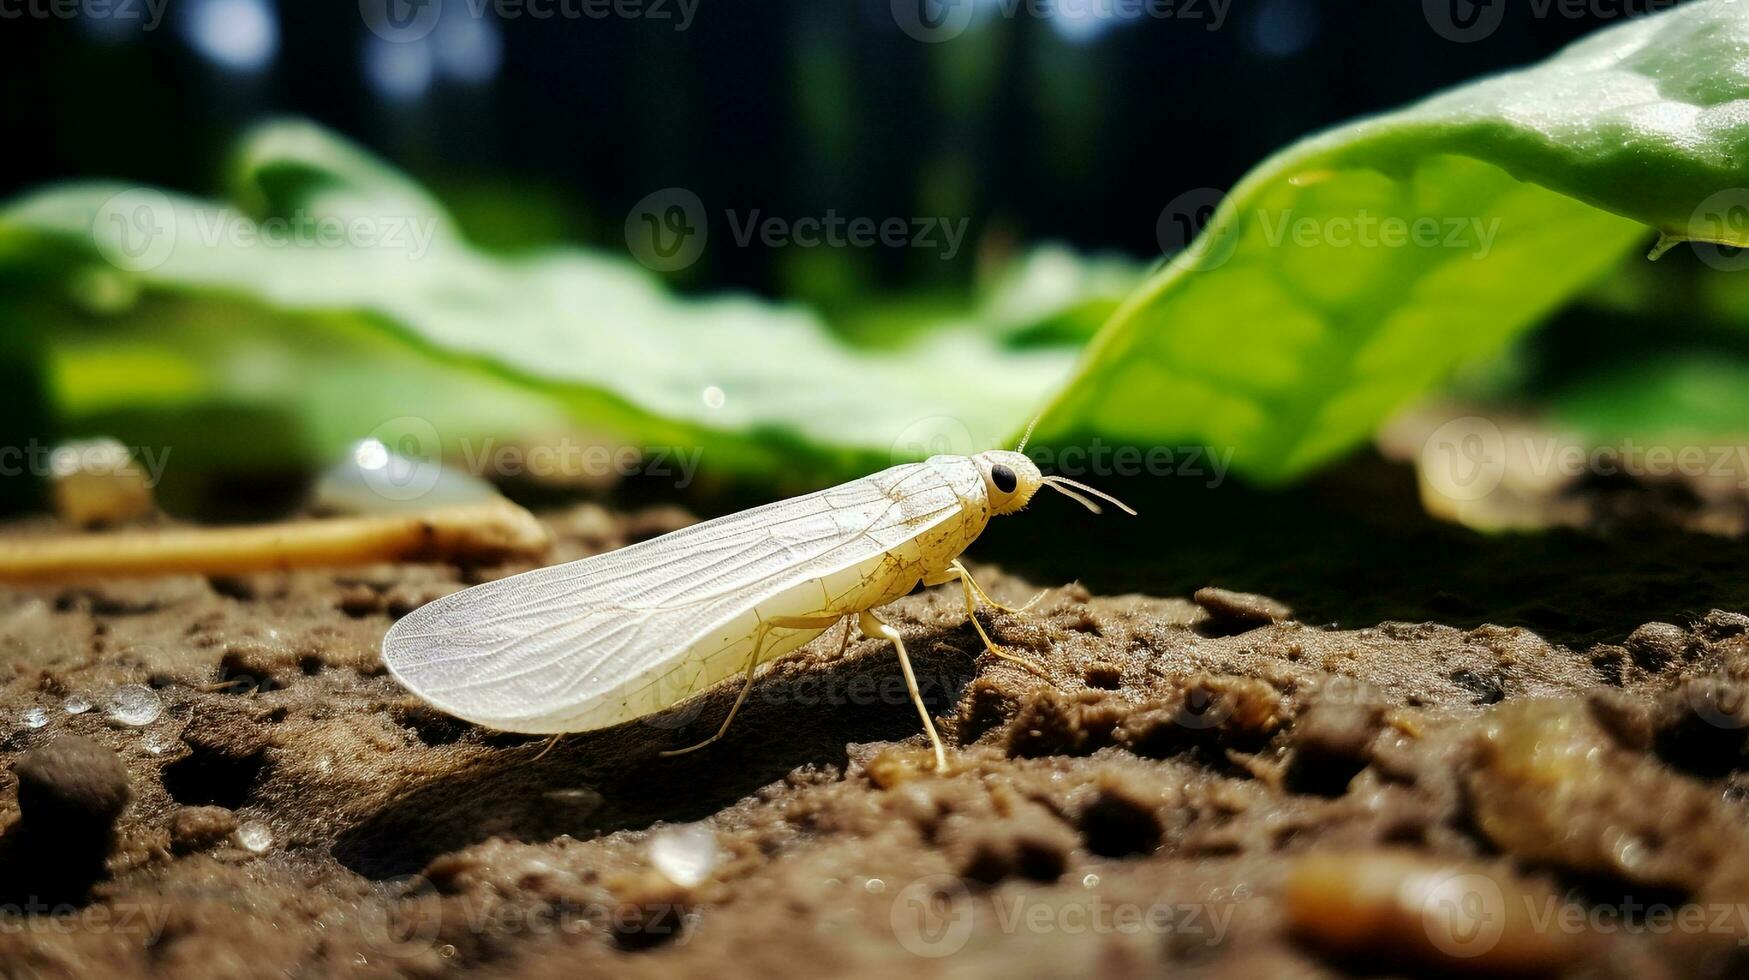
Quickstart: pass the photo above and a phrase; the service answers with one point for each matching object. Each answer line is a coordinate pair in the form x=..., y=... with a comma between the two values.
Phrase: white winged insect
x=629, y=633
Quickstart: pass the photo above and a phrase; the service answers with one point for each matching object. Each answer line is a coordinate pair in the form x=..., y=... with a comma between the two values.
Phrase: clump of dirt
x=1200, y=786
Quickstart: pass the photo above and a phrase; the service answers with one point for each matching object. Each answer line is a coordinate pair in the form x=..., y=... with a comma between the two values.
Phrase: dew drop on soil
x=35, y=718
x=581, y=799
x=255, y=836
x=135, y=705
x=77, y=705
x=686, y=854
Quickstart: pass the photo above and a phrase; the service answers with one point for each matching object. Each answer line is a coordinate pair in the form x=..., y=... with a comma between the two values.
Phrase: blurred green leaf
x=599, y=339
x=1281, y=334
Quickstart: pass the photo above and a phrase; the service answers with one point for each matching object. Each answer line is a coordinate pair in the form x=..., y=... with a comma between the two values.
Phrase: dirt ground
x=1205, y=786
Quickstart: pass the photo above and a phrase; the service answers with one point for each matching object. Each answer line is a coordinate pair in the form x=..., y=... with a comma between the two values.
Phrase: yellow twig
x=488, y=532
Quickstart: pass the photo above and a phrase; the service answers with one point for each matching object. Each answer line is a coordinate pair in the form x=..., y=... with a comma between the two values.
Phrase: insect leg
x=875, y=628
x=972, y=593
x=776, y=622
x=844, y=644
x=548, y=748
x=966, y=576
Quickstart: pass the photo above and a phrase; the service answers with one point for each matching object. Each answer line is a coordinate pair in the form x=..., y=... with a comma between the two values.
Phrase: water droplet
x=874, y=886
x=714, y=397
x=77, y=705
x=255, y=836
x=158, y=743
x=446, y=951
x=134, y=705
x=1090, y=881
x=686, y=854
x=370, y=454
x=34, y=718
x=582, y=799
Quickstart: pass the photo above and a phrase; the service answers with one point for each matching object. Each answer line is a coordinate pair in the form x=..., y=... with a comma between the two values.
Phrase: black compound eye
x=1003, y=478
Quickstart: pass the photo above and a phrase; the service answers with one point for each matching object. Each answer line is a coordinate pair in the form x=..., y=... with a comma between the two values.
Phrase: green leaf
x=1273, y=335
x=598, y=337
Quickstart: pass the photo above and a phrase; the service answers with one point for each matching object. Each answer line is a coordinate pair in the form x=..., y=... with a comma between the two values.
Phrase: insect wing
x=528, y=653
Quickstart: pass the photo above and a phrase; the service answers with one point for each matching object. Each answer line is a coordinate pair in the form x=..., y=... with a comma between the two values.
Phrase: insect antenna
x=1028, y=434
x=1072, y=495
x=1061, y=484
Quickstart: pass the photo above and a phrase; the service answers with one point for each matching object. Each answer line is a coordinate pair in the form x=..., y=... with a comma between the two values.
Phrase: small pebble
x=1241, y=607
x=71, y=786
x=685, y=854
x=1719, y=624
x=1656, y=644
x=255, y=837
x=134, y=705
x=77, y=704
x=196, y=828
x=34, y=718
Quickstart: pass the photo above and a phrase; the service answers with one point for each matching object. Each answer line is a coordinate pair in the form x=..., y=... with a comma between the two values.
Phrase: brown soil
x=1201, y=788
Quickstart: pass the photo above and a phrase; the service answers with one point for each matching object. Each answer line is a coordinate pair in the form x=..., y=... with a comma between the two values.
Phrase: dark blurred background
x=1037, y=126
x=1057, y=122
